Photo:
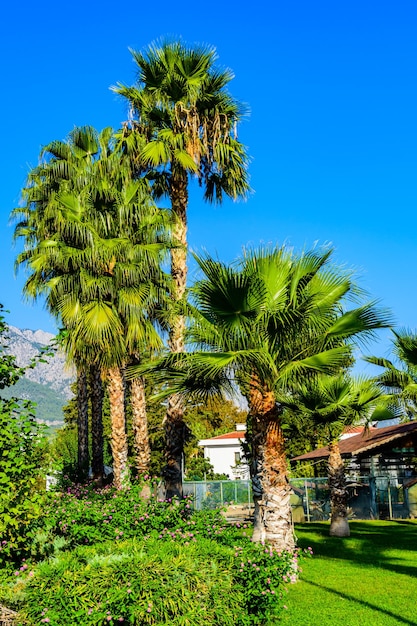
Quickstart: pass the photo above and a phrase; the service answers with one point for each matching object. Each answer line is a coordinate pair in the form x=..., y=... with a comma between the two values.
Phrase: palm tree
x=262, y=325
x=103, y=307
x=97, y=452
x=98, y=263
x=330, y=403
x=183, y=124
x=45, y=214
x=401, y=380
x=142, y=446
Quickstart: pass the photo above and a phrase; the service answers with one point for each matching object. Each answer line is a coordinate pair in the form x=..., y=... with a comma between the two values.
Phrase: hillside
x=49, y=403
x=48, y=384
x=25, y=345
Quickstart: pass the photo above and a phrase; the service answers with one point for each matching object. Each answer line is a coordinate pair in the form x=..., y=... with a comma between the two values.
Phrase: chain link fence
x=217, y=493
x=369, y=497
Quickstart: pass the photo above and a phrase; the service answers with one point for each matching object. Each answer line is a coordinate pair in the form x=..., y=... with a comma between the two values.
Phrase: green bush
x=133, y=582
x=84, y=516
x=154, y=581
x=21, y=455
x=22, y=450
x=146, y=562
x=261, y=574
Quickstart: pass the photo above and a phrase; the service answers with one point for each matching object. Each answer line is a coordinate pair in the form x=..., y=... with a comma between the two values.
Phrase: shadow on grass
x=369, y=605
x=368, y=544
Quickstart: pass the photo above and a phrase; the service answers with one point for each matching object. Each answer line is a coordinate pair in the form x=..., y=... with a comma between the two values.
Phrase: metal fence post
x=389, y=498
x=307, y=503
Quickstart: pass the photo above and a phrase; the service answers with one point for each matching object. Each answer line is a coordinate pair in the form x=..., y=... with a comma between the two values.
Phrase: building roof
x=236, y=434
x=359, y=444
x=350, y=431
x=223, y=440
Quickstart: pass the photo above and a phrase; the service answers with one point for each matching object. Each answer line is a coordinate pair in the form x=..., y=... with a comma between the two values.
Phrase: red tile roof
x=237, y=434
x=355, y=429
x=358, y=444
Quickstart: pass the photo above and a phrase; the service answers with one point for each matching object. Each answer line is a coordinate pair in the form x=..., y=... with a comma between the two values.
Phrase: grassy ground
x=368, y=579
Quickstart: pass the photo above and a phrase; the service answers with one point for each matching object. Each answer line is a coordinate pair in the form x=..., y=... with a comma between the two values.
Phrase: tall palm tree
x=262, y=325
x=330, y=403
x=183, y=124
x=98, y=262
x=62, y=169
x=399, y=378
x=97, y=442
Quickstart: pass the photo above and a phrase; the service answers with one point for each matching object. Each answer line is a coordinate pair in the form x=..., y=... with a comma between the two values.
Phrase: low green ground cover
x=368, y=579
x=111, y=557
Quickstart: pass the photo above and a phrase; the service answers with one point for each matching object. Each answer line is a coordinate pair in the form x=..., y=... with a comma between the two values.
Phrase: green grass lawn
x=368, y=579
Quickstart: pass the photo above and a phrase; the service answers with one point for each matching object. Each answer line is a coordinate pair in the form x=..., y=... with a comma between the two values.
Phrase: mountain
x=49, y=403
x=25, y=345
x=48, y=383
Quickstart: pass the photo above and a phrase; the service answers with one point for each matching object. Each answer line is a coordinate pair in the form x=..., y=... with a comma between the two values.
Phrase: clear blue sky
x=332, y=132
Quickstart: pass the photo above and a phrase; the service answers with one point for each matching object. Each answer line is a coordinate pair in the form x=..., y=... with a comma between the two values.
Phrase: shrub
x=261, y=574
x=150, y=581
x=133, y=582
x=84, y=516
x=21, y=453
x=142, y=562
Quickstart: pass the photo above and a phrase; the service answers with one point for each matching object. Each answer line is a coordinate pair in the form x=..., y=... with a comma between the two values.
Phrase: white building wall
x=223, y=457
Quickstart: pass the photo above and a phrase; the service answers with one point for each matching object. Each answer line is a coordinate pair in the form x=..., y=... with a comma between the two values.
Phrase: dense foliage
x=160, y=583
x=204, y=420
x=108, y=556
x=21, y=455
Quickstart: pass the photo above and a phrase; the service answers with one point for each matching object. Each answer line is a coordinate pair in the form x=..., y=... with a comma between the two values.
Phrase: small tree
x=329, y=404
x=21, y=454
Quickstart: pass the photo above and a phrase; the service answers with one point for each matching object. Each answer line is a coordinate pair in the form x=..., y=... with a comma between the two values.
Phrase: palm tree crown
x=399, y=378
x=180, y=105
x=264, y=324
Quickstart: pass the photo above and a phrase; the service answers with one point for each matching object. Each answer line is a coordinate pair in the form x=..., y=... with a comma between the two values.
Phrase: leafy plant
x=159, y=580
x=118, y=558
x=260, y=574
x=133, y=582
x=21, y=454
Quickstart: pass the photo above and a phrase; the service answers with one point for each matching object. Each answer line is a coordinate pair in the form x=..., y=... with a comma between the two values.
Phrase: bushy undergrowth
x=21, y=455
x=108, y=557
x=134, y=582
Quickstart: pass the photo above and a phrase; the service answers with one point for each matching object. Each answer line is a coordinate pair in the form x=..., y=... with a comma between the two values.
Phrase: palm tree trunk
x=96, y=389
x=82, y=423
x=271, y=493
x=140, y=426
x=175, y=429
x=339, y=523
x=119, y=445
